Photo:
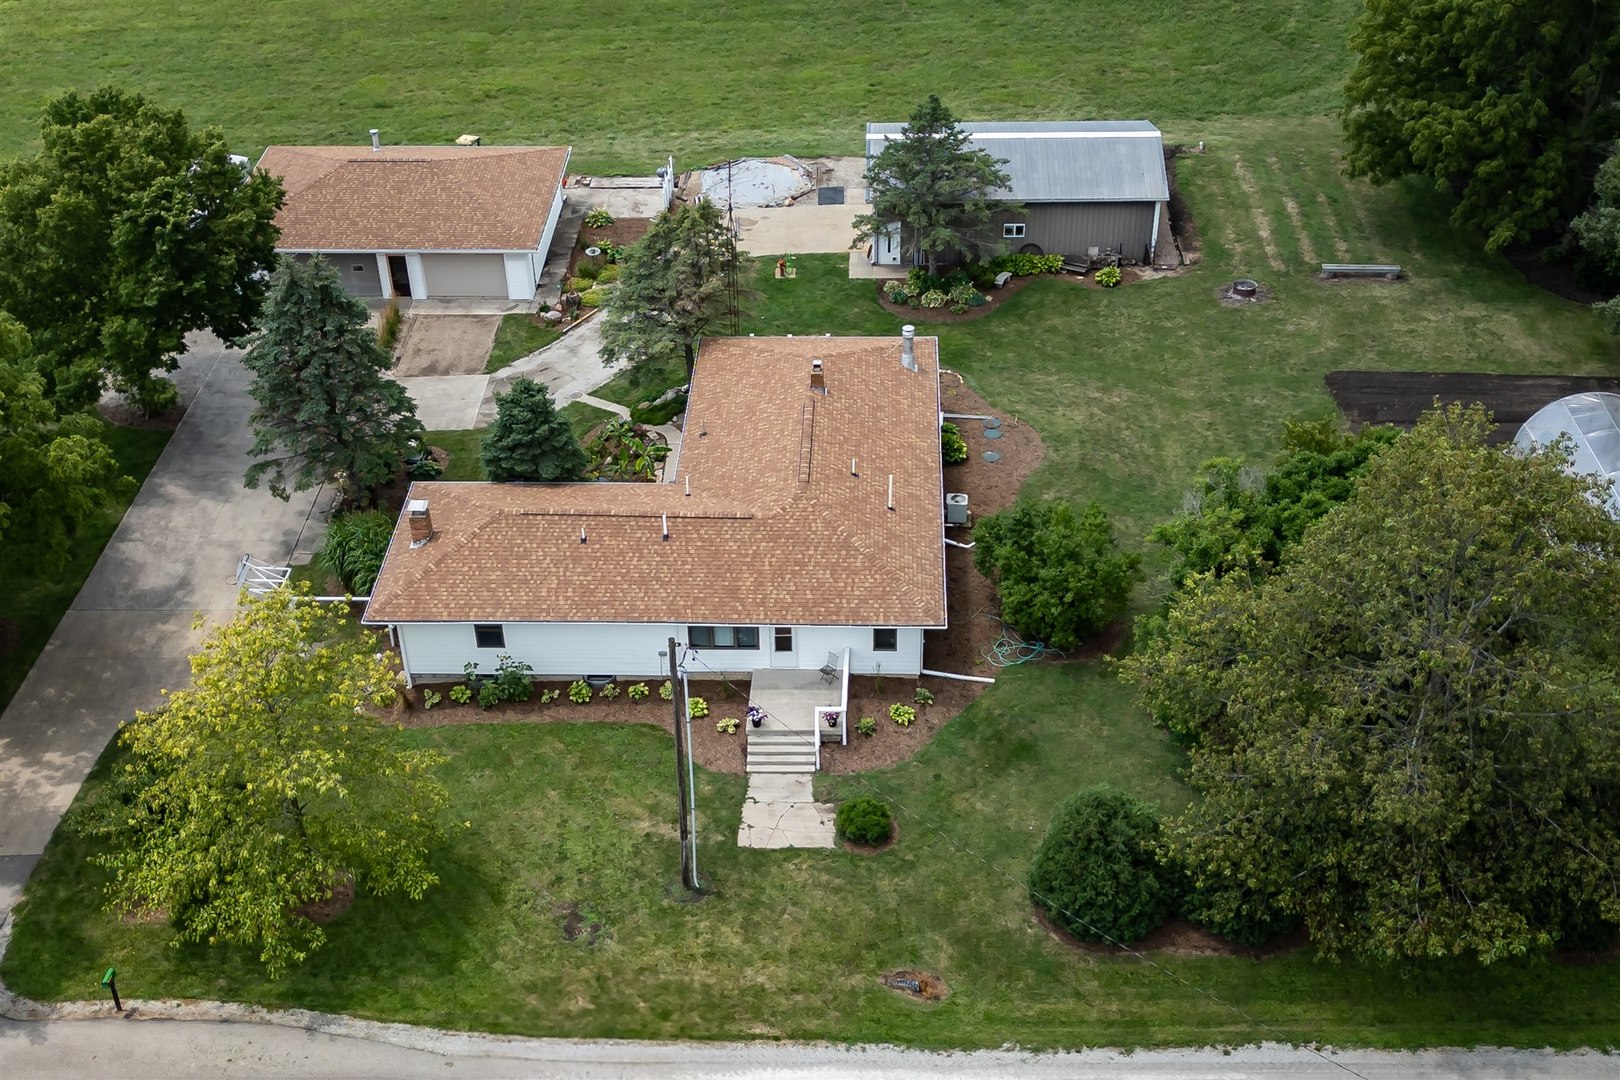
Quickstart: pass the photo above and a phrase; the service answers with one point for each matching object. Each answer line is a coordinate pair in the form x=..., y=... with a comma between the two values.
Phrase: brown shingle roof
x=415, y=198
x=775, y=531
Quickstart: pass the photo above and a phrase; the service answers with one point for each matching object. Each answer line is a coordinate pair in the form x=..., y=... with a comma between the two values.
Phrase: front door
x=886, y=246
x=400, y=274
x=784, y=648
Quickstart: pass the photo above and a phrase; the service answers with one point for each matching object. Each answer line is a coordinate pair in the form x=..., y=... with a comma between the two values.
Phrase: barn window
x=1012, y=230
x=723, y=637
x=885, y=640
x=489, y=635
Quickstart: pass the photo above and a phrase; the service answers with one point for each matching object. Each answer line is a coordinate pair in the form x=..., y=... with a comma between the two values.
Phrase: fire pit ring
x=1247, y=288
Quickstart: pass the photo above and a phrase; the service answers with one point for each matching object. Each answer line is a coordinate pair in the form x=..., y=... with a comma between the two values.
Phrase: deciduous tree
x=126, y=232
x=674, y=284
x=1060, y=574
x=265, y=783
x=1597, y=231
x=530, y=440
x=1505, y=105
x=933, y=185
x=1406, y=734
x=55, y=473
x=326, y=408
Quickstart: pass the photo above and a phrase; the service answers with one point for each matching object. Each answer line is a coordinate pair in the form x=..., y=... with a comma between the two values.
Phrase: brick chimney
x=818, y=377
x=416, y=511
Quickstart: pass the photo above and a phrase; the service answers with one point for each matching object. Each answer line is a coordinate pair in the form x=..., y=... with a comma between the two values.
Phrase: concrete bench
x=1383, y=270
x=1002, y=278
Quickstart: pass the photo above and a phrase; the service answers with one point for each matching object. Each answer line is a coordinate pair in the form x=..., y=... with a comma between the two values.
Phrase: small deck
x=790, y=697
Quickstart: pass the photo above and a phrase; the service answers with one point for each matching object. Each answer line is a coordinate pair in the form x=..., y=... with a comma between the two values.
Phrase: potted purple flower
x=756, y=715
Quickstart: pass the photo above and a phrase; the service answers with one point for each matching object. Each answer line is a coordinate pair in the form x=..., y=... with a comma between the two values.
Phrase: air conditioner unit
x=956, y=508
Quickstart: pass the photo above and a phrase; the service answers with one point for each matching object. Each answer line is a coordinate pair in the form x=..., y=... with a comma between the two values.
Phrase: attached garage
x=423, y=221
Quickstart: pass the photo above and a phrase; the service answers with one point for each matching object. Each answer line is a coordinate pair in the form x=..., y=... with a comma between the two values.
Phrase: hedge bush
x=864, y=820
x=1235, y=913
x=952, y=446
x=1098, y=873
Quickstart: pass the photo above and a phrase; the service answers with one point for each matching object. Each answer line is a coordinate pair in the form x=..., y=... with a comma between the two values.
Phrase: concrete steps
x=781, y=751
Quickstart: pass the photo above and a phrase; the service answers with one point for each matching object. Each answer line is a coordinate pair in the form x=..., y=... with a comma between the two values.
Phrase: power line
x=1238, y=1010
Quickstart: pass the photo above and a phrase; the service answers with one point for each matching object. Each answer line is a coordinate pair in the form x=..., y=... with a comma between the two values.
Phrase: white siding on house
x=554, y=650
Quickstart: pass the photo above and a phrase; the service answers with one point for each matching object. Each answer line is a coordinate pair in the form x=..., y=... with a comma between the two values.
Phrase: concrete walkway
x=570, y=367
x=128, y=633
x=780, y=811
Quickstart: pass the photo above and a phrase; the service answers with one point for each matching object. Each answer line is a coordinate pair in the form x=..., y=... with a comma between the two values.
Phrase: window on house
x=784, y=639
x=723, y=637
x=1013, y=230
x=489, y=635
x=885, y=640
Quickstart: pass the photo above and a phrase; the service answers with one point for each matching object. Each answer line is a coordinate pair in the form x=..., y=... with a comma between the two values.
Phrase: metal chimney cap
x=416, y=506
x=908, y=331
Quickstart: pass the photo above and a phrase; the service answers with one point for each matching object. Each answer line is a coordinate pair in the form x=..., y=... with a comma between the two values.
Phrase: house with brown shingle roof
x=804, y=517
x=422, y=221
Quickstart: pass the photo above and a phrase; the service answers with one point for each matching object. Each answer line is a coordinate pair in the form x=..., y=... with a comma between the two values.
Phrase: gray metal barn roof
x=1065, y=161
x=1592, y=422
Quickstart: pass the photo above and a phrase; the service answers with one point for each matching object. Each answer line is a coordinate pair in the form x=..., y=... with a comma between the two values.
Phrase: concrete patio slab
x=802, y=228
x=448, y=402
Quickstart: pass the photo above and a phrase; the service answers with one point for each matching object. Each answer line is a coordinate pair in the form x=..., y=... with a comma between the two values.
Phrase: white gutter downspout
x=959, y=678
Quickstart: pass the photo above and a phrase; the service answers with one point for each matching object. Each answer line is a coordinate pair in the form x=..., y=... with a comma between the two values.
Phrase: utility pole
x=678, y=704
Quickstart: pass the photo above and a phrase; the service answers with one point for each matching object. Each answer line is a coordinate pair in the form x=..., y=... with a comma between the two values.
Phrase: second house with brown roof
x=423, y=222
x=805, y=518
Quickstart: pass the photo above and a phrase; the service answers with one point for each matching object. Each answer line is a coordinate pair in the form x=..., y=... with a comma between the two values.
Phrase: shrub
x=512, y=679
x=1235, y=913
x=919, y=281
x=978, y=299
x=661, y=413
x=667, y=691
x=1059, y=572
x=1098, y=874
x=933, y=298
x=952, y=447
x=549, y=694
x=594, y=297
x=579, y=691
x=961, y=294
x=431, y=698
x=923, y=696
x=581, y=284
x=354, y=546
x=489, y=694
x=959, y=309
x=608, y=274
x=902, y=714
x=726, y=725
x=697, y=708
x=866, y=726
x=894, y=290
x=461, y=693
x=610, y=691
x=1109, y=276
x=638, y=692
x=864, y=820
x=1022, y=265
x=586, y=273
x=598, y=219
x=388, y=326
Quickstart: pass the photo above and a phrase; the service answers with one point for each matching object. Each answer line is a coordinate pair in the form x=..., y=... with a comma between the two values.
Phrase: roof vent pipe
x=852, y=471
x=891, y=491
x=582, y=534
x=666, y=527
x=376, y=140
x=908, y=348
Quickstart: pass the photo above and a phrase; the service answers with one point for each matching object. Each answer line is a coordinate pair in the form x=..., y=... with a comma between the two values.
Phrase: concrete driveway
x=128, y=633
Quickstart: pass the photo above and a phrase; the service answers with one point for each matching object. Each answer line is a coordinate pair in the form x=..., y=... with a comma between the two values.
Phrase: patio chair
x=829, y=670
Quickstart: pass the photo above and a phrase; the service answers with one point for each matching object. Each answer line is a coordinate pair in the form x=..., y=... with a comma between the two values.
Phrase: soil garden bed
x=623, y=232
x=1177, y=937
x=1402, y=397
x=996, y=297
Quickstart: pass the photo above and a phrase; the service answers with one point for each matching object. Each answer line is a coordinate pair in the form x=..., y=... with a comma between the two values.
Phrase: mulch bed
x=1177, y=937
x=1401, y=397
x=997, y=297
x=1183, y=229
x=874, y=849
x=623, y=232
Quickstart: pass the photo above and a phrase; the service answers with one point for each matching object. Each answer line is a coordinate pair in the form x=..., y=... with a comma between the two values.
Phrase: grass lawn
x=463, y=446
x=37, y=601
x=1131, y=389
x=642, y=382
x=734, y=76
x=518, y=336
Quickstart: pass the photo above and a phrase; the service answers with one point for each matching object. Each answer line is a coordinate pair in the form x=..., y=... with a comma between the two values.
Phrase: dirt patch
x=320, y=912
x=922, y=985
x=1262, y=223
x=118, y=411
x=874, y=849
x=445, y=345
x=579, y=924
x=1401, y=397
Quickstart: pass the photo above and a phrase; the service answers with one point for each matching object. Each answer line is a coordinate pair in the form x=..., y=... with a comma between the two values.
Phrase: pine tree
x=674, y=283
x=933, y=186
x=530, y=441
x=326, y=408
